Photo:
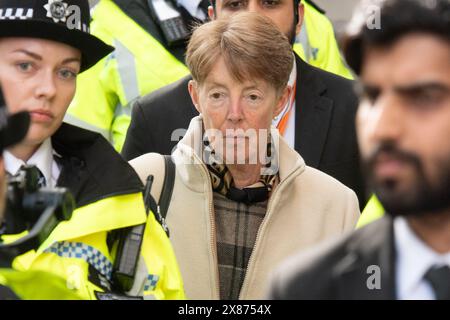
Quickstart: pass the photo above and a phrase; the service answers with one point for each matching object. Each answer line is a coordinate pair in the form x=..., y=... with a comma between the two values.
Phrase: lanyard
x=282, y=125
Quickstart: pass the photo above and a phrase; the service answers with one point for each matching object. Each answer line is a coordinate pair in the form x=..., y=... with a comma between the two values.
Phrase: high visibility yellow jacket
x=140, y=65
x=373, y=211
x=316, y=43
x=34, y=285
x=108, y=197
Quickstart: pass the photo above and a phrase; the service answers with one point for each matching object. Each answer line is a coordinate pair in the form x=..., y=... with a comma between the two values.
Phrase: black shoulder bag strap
x=160, y=209
x=166, y=192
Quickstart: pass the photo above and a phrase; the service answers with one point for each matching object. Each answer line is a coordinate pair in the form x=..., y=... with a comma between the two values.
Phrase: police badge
x=57, y=10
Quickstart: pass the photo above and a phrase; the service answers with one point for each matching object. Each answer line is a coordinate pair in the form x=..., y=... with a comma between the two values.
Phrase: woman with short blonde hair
x=234, y=216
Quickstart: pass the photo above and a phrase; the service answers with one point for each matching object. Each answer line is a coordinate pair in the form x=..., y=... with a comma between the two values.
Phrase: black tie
x=41, y=180
x=439, y=278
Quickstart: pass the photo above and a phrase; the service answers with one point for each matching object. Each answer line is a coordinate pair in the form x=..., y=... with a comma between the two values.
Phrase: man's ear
x=301, y=15
x=193, y=92
x=211, y=14
x=284, y=98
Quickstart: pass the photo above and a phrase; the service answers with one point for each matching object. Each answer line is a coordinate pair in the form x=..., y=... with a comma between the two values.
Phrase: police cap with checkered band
x=65, y=21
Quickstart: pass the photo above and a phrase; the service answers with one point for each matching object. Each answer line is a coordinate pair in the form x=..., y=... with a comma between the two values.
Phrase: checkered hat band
x=73, y=14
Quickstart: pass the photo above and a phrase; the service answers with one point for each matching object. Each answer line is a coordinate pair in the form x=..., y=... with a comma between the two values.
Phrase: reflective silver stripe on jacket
x=126, y=67
x=304, y=41
x=70, y=119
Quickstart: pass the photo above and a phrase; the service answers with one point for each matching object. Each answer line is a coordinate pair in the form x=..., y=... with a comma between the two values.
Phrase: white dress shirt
x=414, y=259
x=192, y=6
x=289, y=133
x=42, y=158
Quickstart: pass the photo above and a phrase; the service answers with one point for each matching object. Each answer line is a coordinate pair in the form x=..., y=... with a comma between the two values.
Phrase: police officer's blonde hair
x=250, y=44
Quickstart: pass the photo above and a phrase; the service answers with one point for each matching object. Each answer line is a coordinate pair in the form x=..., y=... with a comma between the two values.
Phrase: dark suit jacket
x=341, y=270
x=325, y=134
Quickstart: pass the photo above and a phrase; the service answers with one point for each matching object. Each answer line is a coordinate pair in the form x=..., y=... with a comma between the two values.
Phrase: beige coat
x=306, y=207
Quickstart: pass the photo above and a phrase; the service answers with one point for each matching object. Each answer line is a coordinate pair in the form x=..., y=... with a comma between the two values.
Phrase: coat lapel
x=312, y=115
x=373, y=249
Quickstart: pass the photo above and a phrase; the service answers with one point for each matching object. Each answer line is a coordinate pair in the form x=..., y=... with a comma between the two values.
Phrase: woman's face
x=240, y=113
x=38, y=76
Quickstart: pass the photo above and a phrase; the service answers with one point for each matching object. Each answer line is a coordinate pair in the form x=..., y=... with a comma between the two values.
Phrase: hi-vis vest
x=373, y=211
x=138, y=66
x=77, y=251
x=316, y=43
x=36, y=285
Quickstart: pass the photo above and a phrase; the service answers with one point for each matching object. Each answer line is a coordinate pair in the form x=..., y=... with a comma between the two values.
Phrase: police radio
x=170, y=22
